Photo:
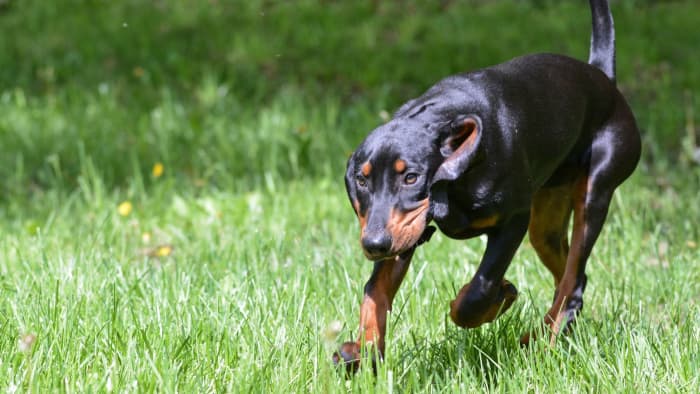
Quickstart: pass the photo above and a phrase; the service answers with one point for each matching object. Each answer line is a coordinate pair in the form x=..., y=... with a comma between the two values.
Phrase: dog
x=519, y=147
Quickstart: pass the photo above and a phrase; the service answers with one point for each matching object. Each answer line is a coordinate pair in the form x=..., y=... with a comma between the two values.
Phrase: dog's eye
x=410, y=179
x=361, y=181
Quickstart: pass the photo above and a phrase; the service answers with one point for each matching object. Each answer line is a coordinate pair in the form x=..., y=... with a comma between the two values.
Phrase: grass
x=231, y=266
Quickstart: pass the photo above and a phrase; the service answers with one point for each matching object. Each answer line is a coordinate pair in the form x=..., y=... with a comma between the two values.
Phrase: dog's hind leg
x=590, y=211
x=550, y=214
x=549, y=225
x=614, y=154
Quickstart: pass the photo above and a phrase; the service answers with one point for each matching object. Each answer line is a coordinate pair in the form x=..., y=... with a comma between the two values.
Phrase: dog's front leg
x=379, y=295
x=488, y=295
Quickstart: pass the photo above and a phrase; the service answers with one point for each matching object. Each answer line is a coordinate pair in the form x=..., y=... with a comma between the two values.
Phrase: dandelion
x=157, y=170
x=330, y=332
x=164, y=250
x=125, y=208
x=138, y=71
x=146, y=237
x=161, y=251
x=26, y=342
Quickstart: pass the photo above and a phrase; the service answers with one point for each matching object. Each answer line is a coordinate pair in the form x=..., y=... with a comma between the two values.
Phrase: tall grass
x=226, y=92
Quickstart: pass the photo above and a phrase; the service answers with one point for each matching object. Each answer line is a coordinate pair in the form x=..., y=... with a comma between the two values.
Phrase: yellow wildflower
x=157, y=170
x=138, y=71
x=160, y=251
x=125, y=208
x=163, y=251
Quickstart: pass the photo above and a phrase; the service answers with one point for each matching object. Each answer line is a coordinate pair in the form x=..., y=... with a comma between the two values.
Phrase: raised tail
x=602, y=52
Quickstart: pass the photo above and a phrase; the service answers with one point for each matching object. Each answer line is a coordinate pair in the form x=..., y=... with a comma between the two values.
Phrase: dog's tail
x=602, y=53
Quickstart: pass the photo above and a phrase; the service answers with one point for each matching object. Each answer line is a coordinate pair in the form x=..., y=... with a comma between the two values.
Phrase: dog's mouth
x=407, y=229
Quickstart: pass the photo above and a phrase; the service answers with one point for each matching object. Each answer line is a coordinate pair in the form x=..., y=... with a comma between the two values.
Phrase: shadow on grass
x=484, y=355
x=481, y=353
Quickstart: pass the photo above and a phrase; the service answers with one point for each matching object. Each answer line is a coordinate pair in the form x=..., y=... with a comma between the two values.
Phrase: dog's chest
x=476, y=205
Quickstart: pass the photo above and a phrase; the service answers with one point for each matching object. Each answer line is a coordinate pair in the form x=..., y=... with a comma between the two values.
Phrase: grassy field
x=227, y=270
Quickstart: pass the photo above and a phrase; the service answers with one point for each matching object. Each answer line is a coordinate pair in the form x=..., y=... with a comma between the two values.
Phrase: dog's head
x=391, y=176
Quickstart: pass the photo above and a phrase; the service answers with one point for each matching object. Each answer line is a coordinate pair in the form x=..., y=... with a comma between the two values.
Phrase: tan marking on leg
x=370, y=319
x=556, y=326
x=494, y=309
x=378, y=299
x=486, y=222
x=550, y=213
x=568, y=282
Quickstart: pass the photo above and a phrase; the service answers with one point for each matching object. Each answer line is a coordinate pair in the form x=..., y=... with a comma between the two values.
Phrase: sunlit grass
x=251, y=281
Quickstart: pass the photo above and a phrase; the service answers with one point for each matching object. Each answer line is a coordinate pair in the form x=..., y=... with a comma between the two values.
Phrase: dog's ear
x=350, y=179
x=405, y=107
x=458, y=148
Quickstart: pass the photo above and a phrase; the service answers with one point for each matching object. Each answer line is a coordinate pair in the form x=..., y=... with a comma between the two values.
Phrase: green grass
x=252, y=107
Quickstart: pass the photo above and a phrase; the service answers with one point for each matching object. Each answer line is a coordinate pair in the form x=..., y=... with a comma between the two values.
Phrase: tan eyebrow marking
x=400, y=166
x=366, y=169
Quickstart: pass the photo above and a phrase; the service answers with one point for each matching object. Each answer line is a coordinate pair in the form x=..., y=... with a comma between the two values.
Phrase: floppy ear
x=458, y=150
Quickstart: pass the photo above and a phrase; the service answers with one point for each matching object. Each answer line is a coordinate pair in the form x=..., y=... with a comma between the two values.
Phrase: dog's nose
x=377, y=244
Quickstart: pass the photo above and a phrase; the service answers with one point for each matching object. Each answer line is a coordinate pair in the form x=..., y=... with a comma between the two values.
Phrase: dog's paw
x=348, y=356
x=527, y=339
x=551, y=328
x=473, y=307
x=351, y=355
x=508, y=294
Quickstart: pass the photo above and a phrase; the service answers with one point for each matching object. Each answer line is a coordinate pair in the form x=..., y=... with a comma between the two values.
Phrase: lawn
x=173, y=216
